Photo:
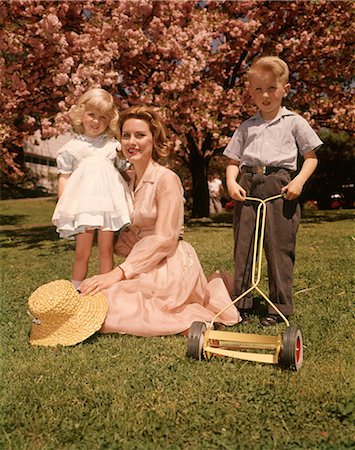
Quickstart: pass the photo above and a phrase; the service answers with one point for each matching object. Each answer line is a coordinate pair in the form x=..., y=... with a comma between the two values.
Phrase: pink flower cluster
x=187, y=58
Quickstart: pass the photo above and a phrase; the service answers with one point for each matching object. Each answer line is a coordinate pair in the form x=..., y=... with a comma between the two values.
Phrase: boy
x=262, y=155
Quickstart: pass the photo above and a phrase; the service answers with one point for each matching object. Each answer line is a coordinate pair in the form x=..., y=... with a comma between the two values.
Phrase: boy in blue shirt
x=262, y=158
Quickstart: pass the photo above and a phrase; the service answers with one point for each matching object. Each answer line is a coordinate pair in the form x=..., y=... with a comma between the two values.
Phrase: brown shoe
x=271, y=320
x=246, y=318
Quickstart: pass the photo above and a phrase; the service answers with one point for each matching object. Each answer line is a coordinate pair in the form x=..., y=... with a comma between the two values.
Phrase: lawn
x=125, y=392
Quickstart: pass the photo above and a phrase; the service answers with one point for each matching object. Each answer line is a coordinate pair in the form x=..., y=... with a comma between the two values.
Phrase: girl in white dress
x=92, y=193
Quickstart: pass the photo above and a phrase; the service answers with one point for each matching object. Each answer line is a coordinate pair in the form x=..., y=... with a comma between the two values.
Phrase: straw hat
x=61, y=316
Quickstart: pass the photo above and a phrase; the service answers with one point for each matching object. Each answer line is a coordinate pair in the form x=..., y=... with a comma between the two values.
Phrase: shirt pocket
x=275, y=140
x=287, y=143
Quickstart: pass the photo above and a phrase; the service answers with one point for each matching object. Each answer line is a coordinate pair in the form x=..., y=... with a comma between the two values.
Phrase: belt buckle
x=261, y=169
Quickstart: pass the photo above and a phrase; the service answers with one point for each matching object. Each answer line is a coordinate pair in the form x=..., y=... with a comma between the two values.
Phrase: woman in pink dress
x=160, y=288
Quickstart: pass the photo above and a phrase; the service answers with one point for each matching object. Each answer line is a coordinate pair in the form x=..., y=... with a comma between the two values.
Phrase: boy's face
x=267, y=91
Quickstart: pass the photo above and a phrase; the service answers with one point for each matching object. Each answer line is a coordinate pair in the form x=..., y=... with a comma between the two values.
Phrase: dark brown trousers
x=282, y=220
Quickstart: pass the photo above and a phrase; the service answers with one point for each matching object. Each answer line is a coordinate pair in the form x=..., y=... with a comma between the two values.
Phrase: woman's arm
x=150, y=250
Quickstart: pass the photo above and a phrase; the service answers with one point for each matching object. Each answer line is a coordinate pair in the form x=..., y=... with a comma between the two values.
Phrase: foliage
x=127, y=392
x=335, y=173
x=187, y=58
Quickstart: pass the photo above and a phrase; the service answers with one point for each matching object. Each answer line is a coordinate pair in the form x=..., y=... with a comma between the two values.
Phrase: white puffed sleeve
x=65, y=162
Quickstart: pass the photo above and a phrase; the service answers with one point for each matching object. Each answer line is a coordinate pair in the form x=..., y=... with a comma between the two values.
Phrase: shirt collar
x=96, y=140
x=283, y=112
x=149, y=175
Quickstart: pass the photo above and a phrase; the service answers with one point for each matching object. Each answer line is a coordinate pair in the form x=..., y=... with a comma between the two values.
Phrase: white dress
x=95, y=195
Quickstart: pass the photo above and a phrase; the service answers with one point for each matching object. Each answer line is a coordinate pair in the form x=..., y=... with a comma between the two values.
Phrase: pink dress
x=165, y=289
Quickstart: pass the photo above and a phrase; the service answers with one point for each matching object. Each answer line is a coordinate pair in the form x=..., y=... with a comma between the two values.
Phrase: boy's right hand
x=236, y=191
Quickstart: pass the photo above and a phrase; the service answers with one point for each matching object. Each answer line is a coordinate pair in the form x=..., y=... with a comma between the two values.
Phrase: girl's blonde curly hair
x=156, y=126
x=99, y=100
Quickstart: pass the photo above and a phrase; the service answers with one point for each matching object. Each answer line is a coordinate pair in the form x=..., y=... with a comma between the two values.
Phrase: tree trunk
x=200, y=194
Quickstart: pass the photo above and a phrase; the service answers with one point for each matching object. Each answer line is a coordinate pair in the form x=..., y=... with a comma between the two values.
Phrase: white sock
x=76, y=283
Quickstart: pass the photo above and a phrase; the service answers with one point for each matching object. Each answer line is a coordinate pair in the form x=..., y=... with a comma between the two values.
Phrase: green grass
x=125, y=392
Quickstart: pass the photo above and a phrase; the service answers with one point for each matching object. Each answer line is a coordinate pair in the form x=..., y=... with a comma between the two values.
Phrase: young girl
x=92, y=193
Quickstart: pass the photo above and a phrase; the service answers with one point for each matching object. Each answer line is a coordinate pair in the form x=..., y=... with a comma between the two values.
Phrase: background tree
x=335, y=173
x=187, y=58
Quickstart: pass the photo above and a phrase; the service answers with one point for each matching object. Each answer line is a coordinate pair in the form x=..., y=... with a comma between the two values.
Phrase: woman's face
x=137, y=141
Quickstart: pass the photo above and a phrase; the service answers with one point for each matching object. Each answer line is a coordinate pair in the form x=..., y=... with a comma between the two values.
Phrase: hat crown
x=57, y=300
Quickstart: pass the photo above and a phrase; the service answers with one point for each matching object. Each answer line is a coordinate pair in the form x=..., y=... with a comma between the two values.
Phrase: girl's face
x=267, y=91
x=137, y=141
x=94, y=122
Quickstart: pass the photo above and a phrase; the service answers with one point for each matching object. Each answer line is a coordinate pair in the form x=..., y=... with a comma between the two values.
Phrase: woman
x=160, y=288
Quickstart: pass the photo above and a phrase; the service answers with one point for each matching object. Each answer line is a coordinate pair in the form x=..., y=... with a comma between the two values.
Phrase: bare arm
x=294, y=188
x=63, y=178
x=235, y=190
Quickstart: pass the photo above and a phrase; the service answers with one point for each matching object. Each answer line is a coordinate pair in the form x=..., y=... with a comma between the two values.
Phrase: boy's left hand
x=292, y=190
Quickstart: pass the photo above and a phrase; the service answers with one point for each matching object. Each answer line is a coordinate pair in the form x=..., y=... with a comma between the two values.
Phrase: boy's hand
x=236, y=191
x=292, y=190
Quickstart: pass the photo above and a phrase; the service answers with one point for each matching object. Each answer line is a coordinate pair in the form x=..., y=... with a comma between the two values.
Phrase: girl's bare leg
x=83, y=246
x=105, y=247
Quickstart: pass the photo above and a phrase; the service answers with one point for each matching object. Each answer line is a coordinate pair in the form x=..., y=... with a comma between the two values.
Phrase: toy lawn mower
x=286, y=350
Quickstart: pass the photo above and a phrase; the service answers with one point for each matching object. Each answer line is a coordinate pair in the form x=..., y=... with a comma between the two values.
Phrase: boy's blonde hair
x=272, y=63
x=99, y=100
x=155, y=123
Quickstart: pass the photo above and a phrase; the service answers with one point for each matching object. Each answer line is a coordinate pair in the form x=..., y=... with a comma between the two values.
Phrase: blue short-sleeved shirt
x=272, y=143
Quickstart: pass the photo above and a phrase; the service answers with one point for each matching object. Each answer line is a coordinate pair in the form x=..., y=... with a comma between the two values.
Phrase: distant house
x=40, y=158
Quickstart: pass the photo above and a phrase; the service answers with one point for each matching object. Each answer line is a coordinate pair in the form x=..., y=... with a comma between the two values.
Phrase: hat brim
x=84, y=323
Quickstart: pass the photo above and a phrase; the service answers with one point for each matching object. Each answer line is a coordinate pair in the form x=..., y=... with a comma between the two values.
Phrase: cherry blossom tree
x=186, y=58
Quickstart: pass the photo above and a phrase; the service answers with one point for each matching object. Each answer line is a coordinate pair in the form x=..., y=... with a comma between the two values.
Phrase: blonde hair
x=272, y=63
x=99, y=100
x=156, y=126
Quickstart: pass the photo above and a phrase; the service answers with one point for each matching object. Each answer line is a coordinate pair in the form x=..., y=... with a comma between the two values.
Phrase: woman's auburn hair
x=156, y=126
x=98, y=100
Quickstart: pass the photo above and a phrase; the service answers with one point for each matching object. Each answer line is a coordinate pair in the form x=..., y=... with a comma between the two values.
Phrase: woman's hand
x=95, y=284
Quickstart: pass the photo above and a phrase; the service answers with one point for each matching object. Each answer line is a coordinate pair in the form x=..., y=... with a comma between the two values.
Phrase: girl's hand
x=97, y=283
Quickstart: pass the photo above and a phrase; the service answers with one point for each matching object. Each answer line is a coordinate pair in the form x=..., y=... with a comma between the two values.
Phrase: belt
x=266, y=170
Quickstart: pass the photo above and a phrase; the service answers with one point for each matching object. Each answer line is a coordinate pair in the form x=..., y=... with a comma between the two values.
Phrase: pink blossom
x=164, y=53
x=60, y=79
x=50, y=24
x=30, y=120
x=17, y=83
